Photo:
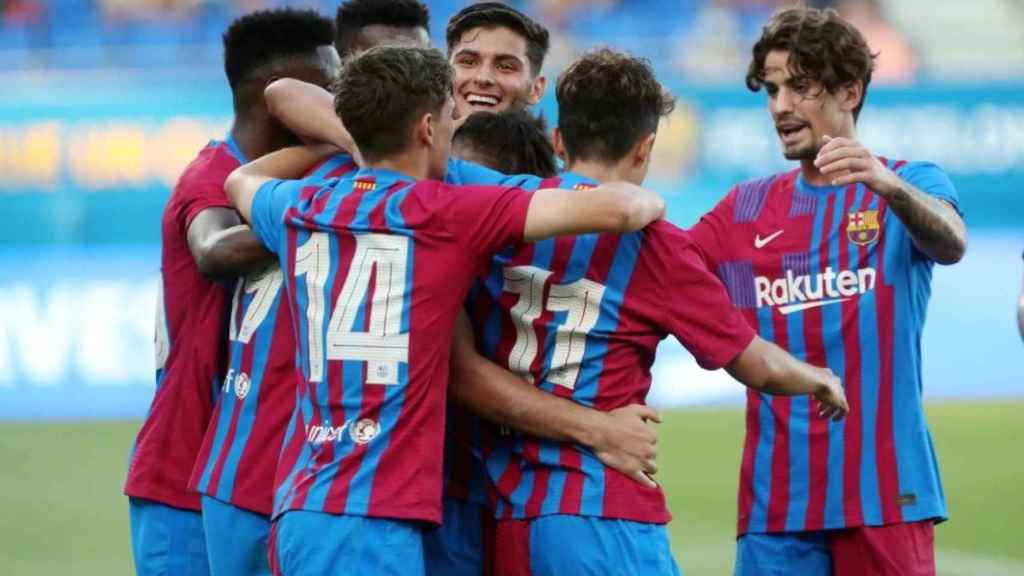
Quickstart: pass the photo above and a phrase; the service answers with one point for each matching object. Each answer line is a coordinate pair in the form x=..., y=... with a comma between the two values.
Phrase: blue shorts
x=804, y=553
x=557, y=545
x=236, y=539
x=904, y=549
x=464, y=543
x=167, y=541
x=318, y=544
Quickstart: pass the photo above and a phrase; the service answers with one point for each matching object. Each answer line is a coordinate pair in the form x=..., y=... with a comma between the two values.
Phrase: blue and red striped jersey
x=376, y=267
x=191, y=325
x=832, y=275
x=581, y=317
x=237, y=461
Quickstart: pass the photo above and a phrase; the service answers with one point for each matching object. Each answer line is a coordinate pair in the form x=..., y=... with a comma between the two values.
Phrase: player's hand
x=847, y=161
x=626, y=442
x=644, y=206
x=830, y=396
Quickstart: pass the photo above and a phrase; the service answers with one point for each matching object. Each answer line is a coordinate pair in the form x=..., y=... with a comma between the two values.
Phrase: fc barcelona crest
x=863, y=227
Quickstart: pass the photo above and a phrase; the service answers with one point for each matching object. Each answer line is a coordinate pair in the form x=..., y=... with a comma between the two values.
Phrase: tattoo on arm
x=936, y=228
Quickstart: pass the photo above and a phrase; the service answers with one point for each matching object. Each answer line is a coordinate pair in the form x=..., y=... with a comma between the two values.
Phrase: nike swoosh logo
x=808, y=305
x=762, y=242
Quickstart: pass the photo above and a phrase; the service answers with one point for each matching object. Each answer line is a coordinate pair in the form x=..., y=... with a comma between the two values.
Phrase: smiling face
x=802, y=110
x=492, y=72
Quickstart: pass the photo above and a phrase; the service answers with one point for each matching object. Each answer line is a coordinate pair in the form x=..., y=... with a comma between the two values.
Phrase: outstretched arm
x=286, y=164
x=765, y=367
x=621, y=439
x=610, y=207
x=934, y=224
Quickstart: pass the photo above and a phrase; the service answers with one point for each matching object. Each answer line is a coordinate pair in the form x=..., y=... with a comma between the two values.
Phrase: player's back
x=240, y=451
x=376, y=266
x=190, y=339
x=581, y=317
x=832, y=275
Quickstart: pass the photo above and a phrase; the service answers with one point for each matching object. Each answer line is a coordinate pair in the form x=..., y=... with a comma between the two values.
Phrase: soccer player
x=377, y=266
x=511, y=142
x=236, y=465
x=203, y=242
x=498, y=55
x=833, y=262
x=580, y=317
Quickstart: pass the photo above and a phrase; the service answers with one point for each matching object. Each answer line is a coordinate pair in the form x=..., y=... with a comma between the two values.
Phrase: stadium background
x=103, y=102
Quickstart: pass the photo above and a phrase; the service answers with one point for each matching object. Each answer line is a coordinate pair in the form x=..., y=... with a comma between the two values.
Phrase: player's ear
x=537, y=89
x=558, y=144
x=643, y=149
x=424, y=130
x=849, y=95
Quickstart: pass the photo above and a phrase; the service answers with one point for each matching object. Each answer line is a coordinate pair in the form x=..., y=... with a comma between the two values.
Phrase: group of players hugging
x=404, y=330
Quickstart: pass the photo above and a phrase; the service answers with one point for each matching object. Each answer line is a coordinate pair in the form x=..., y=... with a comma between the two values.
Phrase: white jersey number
x=581, y=300
x=265, y=286
x=383, y=345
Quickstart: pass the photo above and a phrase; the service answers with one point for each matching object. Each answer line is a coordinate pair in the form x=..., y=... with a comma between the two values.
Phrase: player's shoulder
x=747, y=198
x=912, y=167
x=335, y=166
x=208, y=170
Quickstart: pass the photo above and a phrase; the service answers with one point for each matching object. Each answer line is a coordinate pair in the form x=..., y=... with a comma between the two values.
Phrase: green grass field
x=63, y=512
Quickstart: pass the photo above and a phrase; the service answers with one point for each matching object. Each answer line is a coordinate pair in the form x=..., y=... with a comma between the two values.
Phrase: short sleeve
x=709, y=232
x=203, y=195
x=462, y=173
x=693, y=305
x=268, y=208
x=488, y=218
x=931, y=180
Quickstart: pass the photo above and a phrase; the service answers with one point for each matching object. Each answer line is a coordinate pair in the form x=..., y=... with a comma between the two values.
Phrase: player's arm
x=765, y=367
x=621, y=438
x=222, y=246
x=934, y=224
x=307, y=110
x=610, y=207
x=286, y=164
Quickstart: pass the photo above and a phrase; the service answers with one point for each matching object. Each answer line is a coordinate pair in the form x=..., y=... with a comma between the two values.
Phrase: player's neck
x=258, y=137
x=600, y=173
x=415, y=166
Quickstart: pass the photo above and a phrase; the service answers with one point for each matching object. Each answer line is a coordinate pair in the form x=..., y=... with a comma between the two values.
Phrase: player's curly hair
x=498, y=15
x=822, y=47
x=354, y=15
x=255, y=40
x=382, y=92
x=607, y=101
x=513, y=142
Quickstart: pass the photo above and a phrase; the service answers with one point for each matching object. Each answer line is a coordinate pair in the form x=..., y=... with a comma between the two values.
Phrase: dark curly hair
x=822, y=47
x=497, y=15
x=382, y=92
x=513, y=142
x=255, y=40
x=354, y=15
x=607, y=101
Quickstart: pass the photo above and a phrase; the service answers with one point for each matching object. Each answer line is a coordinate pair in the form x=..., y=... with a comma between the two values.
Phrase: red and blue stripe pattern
x=581, y=317
x=852, y=302
x=376, y=267
x=239, y=455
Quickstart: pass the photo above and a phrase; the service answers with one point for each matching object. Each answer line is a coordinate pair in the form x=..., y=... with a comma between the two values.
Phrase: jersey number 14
x=383, y=345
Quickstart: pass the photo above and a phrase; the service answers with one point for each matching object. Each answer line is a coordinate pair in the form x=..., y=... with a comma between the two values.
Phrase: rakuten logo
x=794, y=293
